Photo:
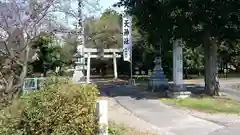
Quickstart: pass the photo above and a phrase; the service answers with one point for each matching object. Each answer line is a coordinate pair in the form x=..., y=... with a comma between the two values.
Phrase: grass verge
x=207, y=104
x=119, y=129
x=220, y=75
x=236, y=87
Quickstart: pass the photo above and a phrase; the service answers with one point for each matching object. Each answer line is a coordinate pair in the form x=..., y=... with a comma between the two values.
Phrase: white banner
x=127, y=37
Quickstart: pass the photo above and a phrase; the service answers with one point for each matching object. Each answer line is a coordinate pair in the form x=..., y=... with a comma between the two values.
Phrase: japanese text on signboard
x=127, y=38
x=127, y=24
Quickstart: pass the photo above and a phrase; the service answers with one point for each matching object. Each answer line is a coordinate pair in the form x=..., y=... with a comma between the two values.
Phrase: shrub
x=60, y=108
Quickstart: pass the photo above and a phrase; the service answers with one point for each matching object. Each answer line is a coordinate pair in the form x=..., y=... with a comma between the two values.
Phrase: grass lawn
x=119, y=129
x=209, y=105
x=220, y=75
x=236, y=86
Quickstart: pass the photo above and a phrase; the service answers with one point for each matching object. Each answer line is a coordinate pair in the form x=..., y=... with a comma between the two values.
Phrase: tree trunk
x=14, y=84
x=24, y=71
x=211, y=68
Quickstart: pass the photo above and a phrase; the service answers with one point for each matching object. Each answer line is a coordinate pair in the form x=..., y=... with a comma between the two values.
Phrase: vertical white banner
x=127, y=37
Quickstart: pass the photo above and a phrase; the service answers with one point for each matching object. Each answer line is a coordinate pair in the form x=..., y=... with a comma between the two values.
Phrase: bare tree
x=20, y=22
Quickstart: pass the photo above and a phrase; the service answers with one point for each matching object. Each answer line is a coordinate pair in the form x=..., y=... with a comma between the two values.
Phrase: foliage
x=193, y=60
x=49, y=54
x=69, y=47
x=229, y=55
x=60, y=108
x=104, y=32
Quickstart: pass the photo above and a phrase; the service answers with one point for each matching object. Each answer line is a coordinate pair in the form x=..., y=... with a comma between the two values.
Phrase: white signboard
x=127, y=37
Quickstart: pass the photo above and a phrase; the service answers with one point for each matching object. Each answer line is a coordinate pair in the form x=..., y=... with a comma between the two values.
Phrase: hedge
x=59, y=108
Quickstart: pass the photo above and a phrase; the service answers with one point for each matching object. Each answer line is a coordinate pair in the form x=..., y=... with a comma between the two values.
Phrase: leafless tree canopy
x=20, y=22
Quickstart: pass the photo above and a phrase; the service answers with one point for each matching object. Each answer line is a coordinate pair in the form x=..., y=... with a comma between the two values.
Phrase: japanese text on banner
x=127, y=37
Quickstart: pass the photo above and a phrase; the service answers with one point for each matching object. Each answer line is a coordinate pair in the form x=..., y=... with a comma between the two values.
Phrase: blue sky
x=105, y=4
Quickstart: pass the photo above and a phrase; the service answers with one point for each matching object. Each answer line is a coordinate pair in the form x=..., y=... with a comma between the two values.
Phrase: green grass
x=119, y=129
x=236, y=86
x=220, y=75
x=210, y=105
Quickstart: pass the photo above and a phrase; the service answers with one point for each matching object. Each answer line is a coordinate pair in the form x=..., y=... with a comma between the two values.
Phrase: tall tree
x=49, y=54
x=69, y=47
x=20, y=22
x=229, y=55
x=193, y=60
x=208, y=22
x=104, y=32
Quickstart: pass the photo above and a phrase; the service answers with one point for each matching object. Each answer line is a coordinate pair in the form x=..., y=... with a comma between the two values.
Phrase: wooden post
x=115, y=65
x=102, y=112
x=88, y=67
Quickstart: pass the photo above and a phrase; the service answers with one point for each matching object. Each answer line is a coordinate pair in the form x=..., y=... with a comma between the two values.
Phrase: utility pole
x=78, y=75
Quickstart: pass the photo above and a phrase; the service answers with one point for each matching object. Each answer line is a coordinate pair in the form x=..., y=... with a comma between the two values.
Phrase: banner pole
x=131, y=65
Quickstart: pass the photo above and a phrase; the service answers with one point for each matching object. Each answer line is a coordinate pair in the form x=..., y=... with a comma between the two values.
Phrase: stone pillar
x=78, y=75
x=178, y=65
x=178, y=90
x=88, y=67
x=115, y=65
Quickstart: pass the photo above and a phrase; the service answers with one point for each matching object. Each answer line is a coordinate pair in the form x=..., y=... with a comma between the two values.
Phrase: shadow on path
x=148, y=108
x=140, y=91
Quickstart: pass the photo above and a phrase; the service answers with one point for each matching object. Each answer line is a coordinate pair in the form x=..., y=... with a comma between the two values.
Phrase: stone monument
x=158, y=80
x=178, y=89
x=78, y=75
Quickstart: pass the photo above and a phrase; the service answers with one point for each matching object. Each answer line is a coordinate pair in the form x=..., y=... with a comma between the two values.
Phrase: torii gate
x=90, y=53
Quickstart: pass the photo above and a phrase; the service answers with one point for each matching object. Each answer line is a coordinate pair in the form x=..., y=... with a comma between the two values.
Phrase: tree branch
x=3, y=79
x=7, y=49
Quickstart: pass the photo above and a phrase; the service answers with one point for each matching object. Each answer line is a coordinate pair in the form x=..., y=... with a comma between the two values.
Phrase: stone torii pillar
x=88, y=66
x=90, y=53
x=115, y=65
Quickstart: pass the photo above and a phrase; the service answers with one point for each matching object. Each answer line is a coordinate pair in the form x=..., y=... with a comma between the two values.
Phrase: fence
x=31, y=84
